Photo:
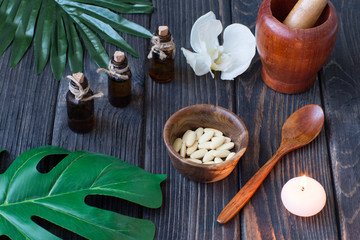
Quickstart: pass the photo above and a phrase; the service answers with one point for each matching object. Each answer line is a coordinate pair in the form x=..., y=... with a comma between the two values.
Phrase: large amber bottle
x=161, y=56
x=80, y=104
x=119, y=80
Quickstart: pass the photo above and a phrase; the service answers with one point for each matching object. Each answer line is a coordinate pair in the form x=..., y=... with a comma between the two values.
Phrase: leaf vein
x=100, y=174
x=3, y=215
x=17, y=170
x=56, y=180
x=76, y=217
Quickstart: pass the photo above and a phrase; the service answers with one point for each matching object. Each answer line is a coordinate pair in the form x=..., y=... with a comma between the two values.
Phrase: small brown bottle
x=80, y=108
x=119, y=80
x=161, y=56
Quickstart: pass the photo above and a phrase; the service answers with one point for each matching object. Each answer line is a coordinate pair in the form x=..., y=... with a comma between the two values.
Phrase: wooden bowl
x=292, y=57
x=204, y=115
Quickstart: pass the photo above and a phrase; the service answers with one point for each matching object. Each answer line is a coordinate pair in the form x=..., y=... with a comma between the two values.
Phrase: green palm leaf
x=8, y=27
x=25, y=31
x=58, y=48
x=75, y=52
x=58, y=26
x=43, y=34
x=123, y=6
x=58, y=196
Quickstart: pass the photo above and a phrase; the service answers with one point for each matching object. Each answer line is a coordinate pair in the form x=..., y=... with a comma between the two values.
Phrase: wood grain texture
x=264, y=217
x=33, y=113
x=118, y=131
x=340, y=84
x=264, y=111
x=292, y=57
x=189, y=210
x=27, y=106
x=302, y=127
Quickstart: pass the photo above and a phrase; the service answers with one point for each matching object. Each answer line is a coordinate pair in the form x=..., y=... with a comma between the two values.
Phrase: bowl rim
x=171, y=150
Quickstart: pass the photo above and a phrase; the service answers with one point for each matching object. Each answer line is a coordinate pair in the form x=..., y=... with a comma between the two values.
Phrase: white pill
x=209, y=156
x=217, y=133
x=216, y=142
x=205, y=145
x=185, y=135
x=177, y=144
x=192, y=148
x=210, y=162
x=190, y=139
x=199, y=132
x=221, y=153
x=199, y=154
x=206, y=136
x=226, y=146
x=183, y=150
x=218, y=160
x=195, y=160
x=230, y=156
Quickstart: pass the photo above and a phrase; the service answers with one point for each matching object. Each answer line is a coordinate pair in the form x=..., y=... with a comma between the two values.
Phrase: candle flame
x=303, y=182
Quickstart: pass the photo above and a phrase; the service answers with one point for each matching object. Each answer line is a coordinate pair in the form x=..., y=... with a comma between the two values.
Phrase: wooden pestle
x=305, y=13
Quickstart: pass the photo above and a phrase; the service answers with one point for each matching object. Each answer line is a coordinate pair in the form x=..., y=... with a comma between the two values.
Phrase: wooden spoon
x=298, y=130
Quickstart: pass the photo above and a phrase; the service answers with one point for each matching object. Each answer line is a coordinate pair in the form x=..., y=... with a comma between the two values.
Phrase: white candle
x=303, y=196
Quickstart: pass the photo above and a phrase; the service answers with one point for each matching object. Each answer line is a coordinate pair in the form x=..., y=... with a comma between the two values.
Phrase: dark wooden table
x=33, y=114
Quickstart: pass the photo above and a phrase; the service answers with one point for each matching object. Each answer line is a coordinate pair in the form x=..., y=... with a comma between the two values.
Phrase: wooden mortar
x=292, y=57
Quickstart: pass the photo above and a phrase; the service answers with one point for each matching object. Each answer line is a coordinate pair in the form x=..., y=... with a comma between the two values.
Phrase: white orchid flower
x=232, y=58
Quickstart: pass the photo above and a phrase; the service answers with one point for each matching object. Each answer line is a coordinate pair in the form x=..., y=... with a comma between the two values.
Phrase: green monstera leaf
x=58, y=195
x=56, y=26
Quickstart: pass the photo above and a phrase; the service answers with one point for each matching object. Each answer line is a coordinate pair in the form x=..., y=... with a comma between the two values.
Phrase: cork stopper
x=163, y=30
x=119, y=56
x=79, y=77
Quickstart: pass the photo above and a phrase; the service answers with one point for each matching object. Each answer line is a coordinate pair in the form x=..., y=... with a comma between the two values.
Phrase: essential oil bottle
x=119, y=80
x=161, y=56
x=80, y=104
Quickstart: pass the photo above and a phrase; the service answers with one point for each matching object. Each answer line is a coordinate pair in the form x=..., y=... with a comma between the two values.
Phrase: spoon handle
x=248, y=190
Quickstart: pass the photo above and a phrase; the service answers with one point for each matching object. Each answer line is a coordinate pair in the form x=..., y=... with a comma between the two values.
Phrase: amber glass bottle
x=80, y=111
x=119, y=84
x=161, y=67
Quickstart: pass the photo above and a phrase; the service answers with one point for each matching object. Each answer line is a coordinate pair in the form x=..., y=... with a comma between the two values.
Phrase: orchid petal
x=238, y=37
x=238, y=67
x=199, y=62
x=205, y=29
x=233, y=58
x=240, y=44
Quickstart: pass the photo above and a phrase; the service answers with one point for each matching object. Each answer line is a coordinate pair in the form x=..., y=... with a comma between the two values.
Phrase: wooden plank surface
x=118, y=131
x=341, y=94
x=190, y=209
x=264, y=111
x=33, y=113
x=27, y=106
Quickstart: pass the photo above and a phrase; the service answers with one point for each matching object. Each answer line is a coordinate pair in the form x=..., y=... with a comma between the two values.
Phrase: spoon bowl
x=299, y=129
x=303, y=126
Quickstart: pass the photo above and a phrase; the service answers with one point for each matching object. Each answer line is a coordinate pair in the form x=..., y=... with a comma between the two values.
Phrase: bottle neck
x=119, y=65
x=84, y=84
x=164, y=39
